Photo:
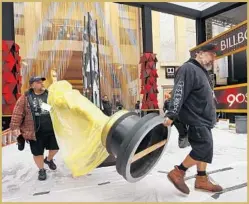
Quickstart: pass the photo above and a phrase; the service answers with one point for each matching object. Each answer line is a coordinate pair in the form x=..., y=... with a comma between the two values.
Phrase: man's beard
x=40, y=90
x=206, y=64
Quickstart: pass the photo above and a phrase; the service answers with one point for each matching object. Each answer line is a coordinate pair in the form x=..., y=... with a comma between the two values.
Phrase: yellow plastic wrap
x=78, y=124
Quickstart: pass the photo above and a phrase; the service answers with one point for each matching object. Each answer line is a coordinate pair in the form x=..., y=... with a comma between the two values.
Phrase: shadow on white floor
x=229, y=169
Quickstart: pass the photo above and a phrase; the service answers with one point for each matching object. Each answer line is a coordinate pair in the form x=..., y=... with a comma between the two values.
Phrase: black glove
x=20, y=142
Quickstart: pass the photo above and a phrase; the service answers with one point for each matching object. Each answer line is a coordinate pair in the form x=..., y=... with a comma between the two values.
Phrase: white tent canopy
x=196, y=5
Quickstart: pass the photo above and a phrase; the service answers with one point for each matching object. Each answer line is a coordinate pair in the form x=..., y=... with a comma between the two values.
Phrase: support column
x=200, y=31
x=147, y=30
x=8, y=32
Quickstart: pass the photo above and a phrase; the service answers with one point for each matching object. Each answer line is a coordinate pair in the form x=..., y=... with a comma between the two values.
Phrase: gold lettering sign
x=229, y=42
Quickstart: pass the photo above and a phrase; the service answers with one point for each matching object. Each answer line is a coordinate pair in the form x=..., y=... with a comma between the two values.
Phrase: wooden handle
x=148, y=150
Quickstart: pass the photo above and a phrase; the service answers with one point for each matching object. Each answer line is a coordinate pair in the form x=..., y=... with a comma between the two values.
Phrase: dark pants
x=201, y=141
x=43, y=141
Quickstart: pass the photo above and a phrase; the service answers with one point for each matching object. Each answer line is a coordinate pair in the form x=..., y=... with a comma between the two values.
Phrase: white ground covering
x=20, y=182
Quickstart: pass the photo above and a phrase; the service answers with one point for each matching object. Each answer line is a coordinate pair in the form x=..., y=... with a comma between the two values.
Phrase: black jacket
x=166, y=105
x=107, y=108
x=30, y=94
x=192, y=96
x=119, y=106
x=137, y=106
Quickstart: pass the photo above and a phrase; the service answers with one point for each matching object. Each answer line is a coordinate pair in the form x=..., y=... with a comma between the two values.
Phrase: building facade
x=173, y=37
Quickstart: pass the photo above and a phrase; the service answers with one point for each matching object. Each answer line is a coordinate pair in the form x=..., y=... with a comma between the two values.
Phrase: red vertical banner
x=11, y=82
x=148, y=76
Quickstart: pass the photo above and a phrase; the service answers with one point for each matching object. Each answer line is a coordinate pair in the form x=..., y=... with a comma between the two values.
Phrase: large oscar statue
x=86, y=136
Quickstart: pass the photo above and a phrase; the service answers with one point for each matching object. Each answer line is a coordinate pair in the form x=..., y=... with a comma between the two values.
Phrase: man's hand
x=167, y=122
x=16, y=132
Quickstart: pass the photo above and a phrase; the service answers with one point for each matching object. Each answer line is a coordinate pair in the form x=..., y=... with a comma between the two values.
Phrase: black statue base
x=130, y=135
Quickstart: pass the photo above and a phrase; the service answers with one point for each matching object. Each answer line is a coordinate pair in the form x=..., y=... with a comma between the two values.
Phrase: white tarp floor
x=229, y=168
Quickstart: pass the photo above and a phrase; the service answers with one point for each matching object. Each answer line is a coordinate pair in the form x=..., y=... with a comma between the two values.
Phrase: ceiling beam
x=219, y=9
x=169, y=8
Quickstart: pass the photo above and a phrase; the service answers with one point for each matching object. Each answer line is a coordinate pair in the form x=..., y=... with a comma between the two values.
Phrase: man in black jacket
x=119, y=105
x=193, y=102
x=181, y=127
x=107, y=106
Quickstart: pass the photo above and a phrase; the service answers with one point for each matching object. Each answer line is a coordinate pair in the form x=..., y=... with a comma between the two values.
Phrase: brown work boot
x=176, y=176
x=203, y=183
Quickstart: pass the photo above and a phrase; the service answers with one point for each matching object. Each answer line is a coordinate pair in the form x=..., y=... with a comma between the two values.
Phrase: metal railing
x=7, y=138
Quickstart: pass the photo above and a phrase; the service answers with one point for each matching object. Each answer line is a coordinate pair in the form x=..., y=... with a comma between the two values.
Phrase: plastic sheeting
x=78, y=125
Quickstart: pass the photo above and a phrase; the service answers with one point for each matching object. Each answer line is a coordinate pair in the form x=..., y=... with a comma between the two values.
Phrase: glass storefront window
x=217, y=25
x=224, y=21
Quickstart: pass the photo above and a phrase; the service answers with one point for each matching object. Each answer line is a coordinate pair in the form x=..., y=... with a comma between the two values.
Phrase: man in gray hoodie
x=193, y=102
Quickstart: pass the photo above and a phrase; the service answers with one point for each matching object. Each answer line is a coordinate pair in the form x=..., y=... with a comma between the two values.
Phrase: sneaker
x=50, y=164
x=42, y=175
x=176, y=176
x=204, y=183
x=183, y=142
x=20, y=142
